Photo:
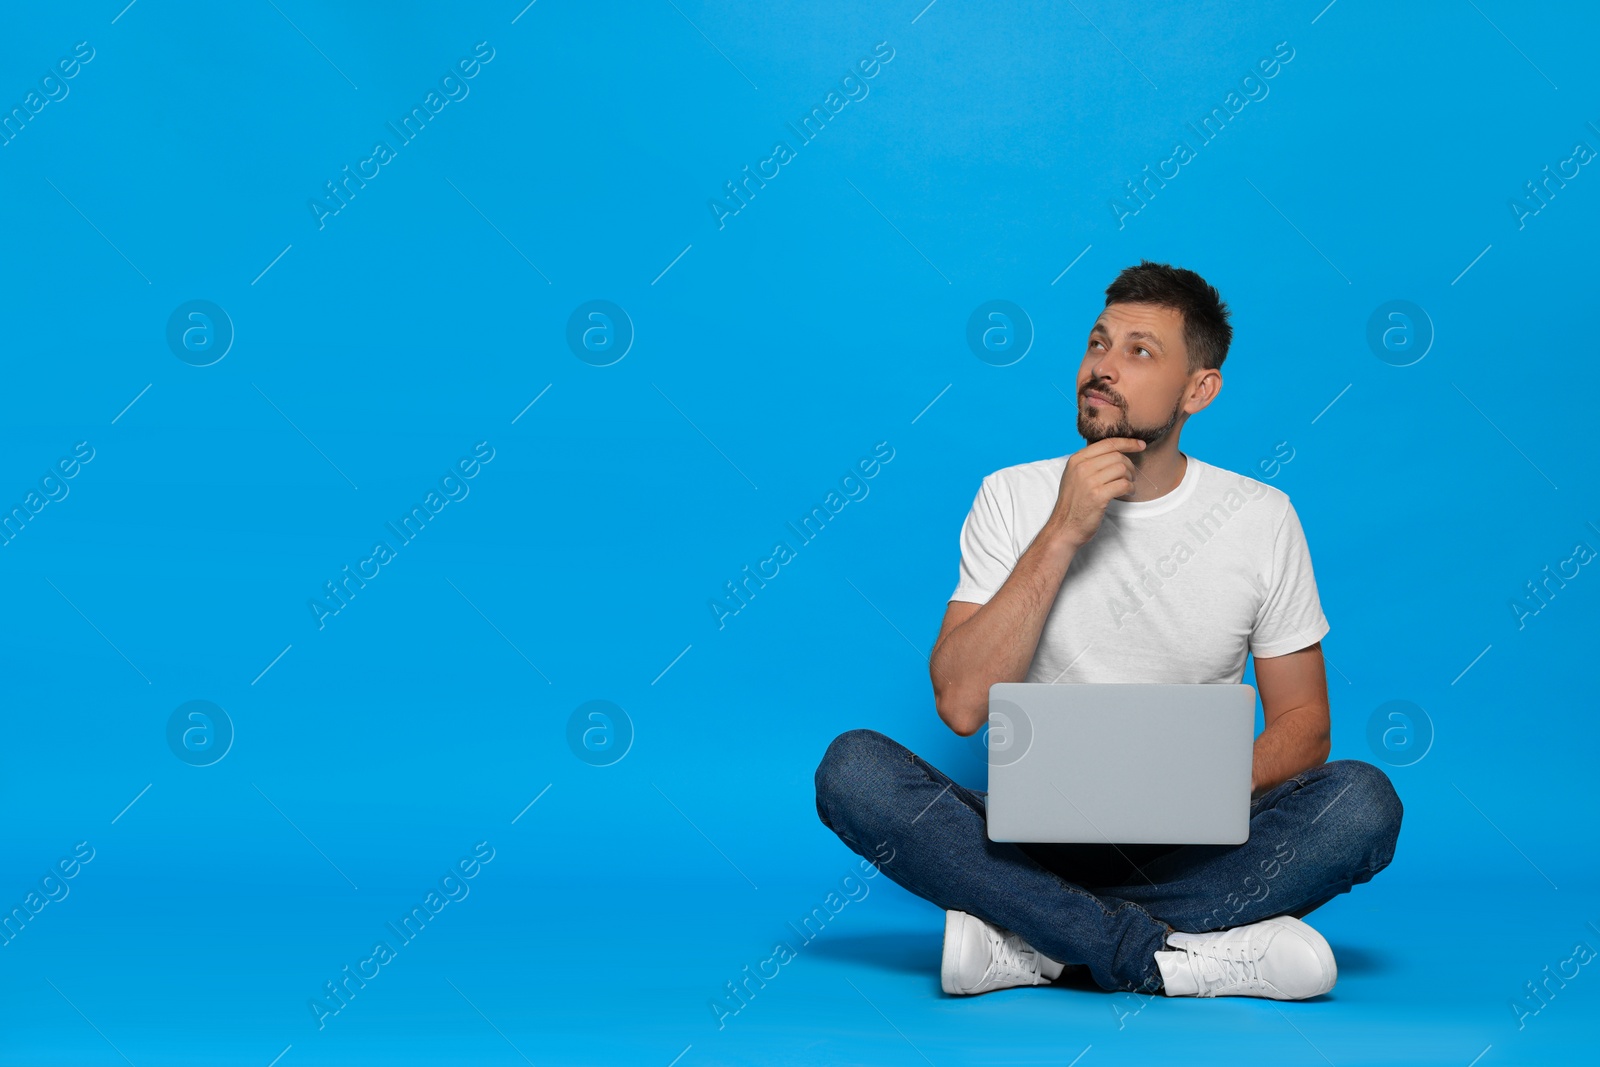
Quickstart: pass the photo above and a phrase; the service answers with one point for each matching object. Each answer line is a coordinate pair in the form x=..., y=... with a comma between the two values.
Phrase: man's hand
x=1095, y=475
x=995, y=642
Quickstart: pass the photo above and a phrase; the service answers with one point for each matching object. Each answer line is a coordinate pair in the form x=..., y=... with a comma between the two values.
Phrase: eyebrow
x=1136, y=335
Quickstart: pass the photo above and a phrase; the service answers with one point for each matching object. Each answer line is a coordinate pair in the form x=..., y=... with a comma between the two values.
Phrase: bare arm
x=980, y=644
x=1294, y=708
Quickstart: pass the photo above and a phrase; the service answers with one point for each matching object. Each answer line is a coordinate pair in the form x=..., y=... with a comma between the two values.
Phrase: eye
x=1146, y=351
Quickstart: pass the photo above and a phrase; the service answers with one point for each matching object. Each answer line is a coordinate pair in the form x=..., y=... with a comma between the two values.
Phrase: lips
x=1099, y=398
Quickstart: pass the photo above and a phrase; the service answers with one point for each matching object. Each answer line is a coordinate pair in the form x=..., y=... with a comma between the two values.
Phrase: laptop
x=1134, y=763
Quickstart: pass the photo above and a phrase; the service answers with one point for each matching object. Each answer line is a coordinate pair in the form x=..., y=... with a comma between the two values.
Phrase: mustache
x=1103, y=391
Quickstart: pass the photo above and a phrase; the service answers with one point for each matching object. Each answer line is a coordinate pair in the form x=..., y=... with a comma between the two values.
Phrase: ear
x=1207, y=384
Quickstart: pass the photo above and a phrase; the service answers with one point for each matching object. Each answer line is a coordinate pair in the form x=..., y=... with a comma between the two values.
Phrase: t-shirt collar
x=1136, y=509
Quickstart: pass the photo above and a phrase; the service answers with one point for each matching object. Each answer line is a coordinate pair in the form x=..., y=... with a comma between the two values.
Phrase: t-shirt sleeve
x=1290, y=617
x=987, y=552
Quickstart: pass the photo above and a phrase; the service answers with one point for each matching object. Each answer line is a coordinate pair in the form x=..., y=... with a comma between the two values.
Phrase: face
x=1134, y=380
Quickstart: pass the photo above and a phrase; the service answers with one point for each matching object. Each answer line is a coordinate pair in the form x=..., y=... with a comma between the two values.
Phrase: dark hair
x=1206, y=332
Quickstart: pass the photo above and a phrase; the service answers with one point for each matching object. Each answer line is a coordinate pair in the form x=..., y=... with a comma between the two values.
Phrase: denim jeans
x=1109, y=907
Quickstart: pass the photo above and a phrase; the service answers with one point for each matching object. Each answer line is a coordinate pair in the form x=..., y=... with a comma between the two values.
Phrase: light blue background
x=826, y=316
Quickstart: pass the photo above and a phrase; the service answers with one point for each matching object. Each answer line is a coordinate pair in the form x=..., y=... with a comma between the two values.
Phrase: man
x=1129, y=561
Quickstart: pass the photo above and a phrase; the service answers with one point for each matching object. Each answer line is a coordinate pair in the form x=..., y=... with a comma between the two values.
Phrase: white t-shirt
x=1174, y=589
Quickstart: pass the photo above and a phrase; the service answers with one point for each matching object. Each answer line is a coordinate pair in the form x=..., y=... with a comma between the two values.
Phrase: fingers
x=1097, y=469
x=1114, y=487
x=1114, y=444
x=1103, y=470
x=1101, y=484
x=1105, y=449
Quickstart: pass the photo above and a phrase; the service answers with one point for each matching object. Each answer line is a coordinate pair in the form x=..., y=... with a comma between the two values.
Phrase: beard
x=1102, y=422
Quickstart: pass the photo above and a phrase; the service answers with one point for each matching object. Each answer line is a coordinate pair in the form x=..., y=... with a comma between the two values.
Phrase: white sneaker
x=980, y=956
x=1281, y=958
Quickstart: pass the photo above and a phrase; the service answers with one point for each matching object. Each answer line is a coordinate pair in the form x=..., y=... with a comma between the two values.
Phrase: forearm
x=1296, y=741
x=998, y=643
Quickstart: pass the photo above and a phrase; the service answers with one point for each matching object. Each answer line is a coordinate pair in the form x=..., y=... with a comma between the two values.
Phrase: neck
x=1157, y=471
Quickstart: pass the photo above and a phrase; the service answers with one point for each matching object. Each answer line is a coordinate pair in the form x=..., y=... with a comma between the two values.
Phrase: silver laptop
x=1133, y=763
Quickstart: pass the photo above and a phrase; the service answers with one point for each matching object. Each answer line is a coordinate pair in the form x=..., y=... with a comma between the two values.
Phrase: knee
x=850, y=768
x=1372, y=810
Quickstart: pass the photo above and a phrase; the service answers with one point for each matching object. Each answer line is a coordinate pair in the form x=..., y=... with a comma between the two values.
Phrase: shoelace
x=1013, y=959
x=1229, y=964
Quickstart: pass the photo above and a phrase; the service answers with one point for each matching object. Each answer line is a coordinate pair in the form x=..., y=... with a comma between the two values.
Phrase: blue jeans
x=1109, y=907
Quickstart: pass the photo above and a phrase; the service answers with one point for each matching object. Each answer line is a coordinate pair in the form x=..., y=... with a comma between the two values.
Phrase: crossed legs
x=1108, y=907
